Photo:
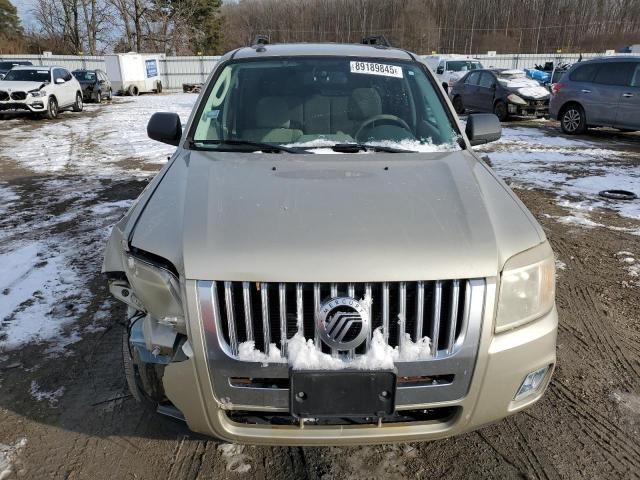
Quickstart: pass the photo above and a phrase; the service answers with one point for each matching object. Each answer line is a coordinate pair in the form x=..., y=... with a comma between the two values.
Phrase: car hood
x=341, y=218
x=526, y=88
x=22, y=86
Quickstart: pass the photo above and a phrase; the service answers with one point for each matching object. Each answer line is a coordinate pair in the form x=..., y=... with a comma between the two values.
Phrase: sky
x=24, y=7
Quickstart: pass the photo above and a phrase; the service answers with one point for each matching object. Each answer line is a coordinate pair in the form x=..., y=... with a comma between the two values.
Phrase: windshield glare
x=27, y=76
x=463, y=66
x=84, y=76
x=319, y=102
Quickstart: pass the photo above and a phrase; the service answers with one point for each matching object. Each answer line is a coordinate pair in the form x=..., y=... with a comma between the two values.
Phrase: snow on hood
x=525, y=87
x=23, y=86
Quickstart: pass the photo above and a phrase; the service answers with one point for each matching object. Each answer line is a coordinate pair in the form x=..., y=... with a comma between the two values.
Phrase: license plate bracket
x=342, y=393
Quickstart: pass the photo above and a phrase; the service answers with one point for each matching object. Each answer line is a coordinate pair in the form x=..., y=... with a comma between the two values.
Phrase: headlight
x=527, y=287
x=157, y=289
x=513, y=98
x=37, y=93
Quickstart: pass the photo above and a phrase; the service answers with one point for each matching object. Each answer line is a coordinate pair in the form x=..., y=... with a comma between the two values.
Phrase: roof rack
x=377, y=40
x=260, y=40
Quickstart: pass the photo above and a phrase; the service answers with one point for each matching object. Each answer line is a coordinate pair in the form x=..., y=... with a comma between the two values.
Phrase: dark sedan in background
x=95, y=84
x=503, y=92
x=6, y=66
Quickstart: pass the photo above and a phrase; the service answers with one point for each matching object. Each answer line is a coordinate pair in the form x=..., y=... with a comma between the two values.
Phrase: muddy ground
x=587, y=425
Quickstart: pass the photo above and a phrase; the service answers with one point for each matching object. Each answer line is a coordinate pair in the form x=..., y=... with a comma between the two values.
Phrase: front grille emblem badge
x=343, y=323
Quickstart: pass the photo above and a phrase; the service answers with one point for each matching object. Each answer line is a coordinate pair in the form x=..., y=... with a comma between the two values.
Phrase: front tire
x=52, y=109
x=458, y=106
x=143, y=379
x=78, y=105
x=99, y=97
x=500, y=110
x=573, y=120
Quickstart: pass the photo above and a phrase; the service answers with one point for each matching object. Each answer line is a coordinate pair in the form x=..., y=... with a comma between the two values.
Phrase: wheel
x=144, y=380
x=159, y=87
x=132, y=91
x=573, y=120
x=457, y=105
x=98, y=97
x=110, y=97
x=446, y=87
x=78, y=105
x=500, y=110
x=52, y=109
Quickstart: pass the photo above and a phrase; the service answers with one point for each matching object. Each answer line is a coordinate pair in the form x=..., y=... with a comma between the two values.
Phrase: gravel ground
x=64, y=408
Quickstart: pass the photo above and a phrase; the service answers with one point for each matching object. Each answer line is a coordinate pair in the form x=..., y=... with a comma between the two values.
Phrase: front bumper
x=502, y=363
x=536, y=108
x=31, y=104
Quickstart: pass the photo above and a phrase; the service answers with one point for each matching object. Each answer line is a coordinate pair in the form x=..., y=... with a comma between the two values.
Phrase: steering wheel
x=381, y=119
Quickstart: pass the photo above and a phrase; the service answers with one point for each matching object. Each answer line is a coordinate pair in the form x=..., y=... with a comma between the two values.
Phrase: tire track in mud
x=617, y=449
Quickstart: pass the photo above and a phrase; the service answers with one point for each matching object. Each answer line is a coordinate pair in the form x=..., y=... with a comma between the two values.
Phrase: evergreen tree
x=11, y=34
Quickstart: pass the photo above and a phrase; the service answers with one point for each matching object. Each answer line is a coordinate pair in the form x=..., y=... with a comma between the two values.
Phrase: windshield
x=511, y=75
x=27, y=76
x=463, y=66
x=85, y=76
x=320, y=102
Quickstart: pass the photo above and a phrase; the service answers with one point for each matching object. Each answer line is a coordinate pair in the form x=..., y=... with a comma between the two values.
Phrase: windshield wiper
x=363, y=147
x=258, y=146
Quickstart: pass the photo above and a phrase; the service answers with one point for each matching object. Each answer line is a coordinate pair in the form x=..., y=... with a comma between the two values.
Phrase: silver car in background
x=603, y=92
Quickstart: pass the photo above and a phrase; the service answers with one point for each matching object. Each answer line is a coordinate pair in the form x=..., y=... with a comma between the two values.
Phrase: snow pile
x=237, y=461
x=631, y=265
x=304, y=355
x=50, y=396
x=9, y=458
x=323, y=146
x=34, y=284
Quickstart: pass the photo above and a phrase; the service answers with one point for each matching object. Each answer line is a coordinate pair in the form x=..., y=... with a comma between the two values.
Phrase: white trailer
x=133, y=73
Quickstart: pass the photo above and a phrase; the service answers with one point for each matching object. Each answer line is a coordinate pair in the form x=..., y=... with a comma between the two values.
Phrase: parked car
x=602, y=92
x=394, y=290
x=95, y=85
x=6, y=66
x=501, y=91
x=451, y=68
x=43, y=90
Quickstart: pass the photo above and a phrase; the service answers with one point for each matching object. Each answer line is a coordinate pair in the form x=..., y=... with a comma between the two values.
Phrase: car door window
x=486, y=80
x=615, y=73
x=584, y=73
x=635, y=80
x=58, y=74
x=66, y=75
x=472, y=78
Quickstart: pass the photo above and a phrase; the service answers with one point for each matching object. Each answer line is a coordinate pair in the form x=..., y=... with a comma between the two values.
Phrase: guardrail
x=174, y=71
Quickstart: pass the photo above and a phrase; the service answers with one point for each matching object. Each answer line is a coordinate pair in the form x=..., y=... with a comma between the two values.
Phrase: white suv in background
x=451, y=68
x=45, y=90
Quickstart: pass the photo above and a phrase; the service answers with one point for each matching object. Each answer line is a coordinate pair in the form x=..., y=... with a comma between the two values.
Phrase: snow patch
x=9, y=458
x=237, y=461
x=50, y=396
x=631, y=265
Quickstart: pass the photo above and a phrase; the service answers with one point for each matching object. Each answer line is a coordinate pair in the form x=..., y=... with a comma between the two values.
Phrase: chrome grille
x=18, y=95
x=4, y=96
x=272, y=313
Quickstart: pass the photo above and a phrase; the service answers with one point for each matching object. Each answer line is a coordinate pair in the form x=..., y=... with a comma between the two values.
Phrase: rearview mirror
x=440, y=70
x=483, y=128
x=165, y=127
x=59, y=80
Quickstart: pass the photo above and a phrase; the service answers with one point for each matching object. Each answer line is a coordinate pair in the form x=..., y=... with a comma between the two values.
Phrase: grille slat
x=248, y=319
x=266, y=327
x=435, y=327
x=435, y=308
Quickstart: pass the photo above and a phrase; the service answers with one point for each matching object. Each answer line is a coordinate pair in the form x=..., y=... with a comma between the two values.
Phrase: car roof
x=323, y=49
x=610, y=58
x=32, y=67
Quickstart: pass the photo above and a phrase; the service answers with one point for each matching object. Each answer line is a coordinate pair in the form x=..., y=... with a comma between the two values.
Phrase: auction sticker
x=376, y=69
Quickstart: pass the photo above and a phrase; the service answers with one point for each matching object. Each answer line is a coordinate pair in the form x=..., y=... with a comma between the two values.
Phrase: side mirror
x=165, y=127
x=483, y=128
x=59, y=81
x=440, y=70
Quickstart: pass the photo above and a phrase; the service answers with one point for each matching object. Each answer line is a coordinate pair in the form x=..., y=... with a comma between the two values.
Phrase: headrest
x=364, y=103
x=272, y=112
